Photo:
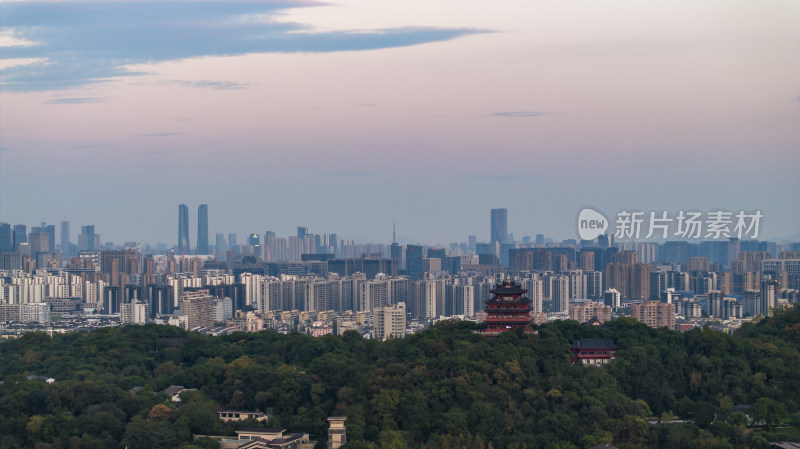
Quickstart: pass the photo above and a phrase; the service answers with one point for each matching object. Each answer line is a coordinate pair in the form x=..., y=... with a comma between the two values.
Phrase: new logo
x=591, y=224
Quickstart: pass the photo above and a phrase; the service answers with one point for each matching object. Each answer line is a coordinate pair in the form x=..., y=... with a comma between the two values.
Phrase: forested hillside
x=443, y=388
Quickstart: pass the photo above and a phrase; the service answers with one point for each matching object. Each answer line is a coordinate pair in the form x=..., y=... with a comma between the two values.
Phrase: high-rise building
x=39, y=241
x=51, y=236
x=183, y=229
x=198, y=308
x=202, y=229
x=20, y=235
x=253, y=239
x=654, y=313
x=612, y=298
x=586, y=311
x=133, y=312
x=302, y=231
x=769, y=295
x=390, y=321
x=294, y=247
x=414, y=262
x=6, y=238
x=594, y=284
x=66, y=245
x=698, y=264
x=560, y=293
x=86, y=239
x=631, y=279
x=397, y=254
x=50, y=232
x=499, y=225
x=231, y=240
x=471, y=241
x=219, y=245
x=586, y=260
x=639, y=281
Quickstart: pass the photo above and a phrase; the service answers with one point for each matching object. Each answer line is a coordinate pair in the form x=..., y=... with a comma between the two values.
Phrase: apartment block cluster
x=320, y=284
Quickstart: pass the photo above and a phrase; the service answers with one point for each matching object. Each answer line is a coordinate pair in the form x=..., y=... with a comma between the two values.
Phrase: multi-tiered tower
x=508, y=309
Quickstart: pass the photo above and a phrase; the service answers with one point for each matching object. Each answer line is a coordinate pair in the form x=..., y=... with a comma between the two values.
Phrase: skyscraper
x=202, y=229
x=50, y=232
x=499, y=225
x=39, y=241
x=414, y=262
x=220, y=246
x=559, y=291
x=769, y=290
x=183, y=229
x=6, y=241
x=20, y=235
x=51, y=236
x=66, y=246
x=86, y=239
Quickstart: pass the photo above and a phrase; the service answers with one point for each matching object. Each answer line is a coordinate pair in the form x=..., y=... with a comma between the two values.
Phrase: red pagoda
x=508, y=309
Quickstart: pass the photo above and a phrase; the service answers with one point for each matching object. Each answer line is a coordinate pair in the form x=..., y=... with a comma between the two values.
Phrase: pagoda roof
x=593, y=343
x=508, y=288
x=520, y=300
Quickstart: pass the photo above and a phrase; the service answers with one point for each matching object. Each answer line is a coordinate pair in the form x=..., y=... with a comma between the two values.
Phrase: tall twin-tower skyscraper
x=202, y=229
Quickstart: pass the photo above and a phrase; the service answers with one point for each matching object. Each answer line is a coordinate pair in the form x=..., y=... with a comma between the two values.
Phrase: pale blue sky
x=346, y=116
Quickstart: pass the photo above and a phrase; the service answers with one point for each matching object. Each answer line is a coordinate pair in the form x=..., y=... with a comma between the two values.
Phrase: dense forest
x=446, y=387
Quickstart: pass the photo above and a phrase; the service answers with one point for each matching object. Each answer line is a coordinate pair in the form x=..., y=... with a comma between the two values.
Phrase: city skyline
x=89, y=241
x=348, y=117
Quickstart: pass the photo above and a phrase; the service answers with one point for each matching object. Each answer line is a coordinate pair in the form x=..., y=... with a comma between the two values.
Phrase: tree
x=160, y=412
x=769, y=412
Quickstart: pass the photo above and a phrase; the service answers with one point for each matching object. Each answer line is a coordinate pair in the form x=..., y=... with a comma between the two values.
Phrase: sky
x=349, y=116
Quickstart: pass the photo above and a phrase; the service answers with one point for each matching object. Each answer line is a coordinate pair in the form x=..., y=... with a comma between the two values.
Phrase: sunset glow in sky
x=346, y=116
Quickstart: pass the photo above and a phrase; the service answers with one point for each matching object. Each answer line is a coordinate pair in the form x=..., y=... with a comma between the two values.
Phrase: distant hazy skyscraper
x=20, y=235
x=6, y=238
x=183, y=229
x=86, y=240
x=65, y=243
x=39, y=241
x=50, y=232
x=499, y=225
x=302, y=231
x=220, y=247
x=231, y=240
x=51, y=236
x=202, y=229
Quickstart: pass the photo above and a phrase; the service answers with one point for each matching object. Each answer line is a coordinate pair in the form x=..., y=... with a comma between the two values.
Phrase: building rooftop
x=508, y=288
x=270, y=430
x=593, y=343
x=174, y=389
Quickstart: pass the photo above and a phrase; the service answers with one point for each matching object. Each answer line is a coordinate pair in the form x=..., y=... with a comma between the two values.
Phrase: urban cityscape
x=318, y=284
x=399, y=224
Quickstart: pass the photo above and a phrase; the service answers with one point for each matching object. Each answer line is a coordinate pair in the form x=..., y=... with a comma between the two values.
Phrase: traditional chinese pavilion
x=593, y=351
x=508, y=309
